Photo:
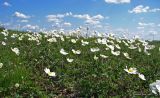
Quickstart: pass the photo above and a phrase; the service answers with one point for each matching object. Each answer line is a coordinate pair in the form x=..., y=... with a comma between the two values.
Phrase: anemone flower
x=131, y=70
x=47, y=71
x=69, y=60
x=15, y=50
x=62, y=51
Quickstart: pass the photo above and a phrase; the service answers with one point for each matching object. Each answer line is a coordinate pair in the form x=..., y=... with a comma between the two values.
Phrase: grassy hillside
x=79, y=67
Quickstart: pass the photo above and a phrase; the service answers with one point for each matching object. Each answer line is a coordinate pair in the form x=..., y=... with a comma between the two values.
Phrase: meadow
x=45, y=65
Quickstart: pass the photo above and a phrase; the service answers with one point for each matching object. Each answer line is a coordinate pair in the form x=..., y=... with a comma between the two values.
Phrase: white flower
x=155, y=87
x=141, y=76
x=125, y=43
x=62, y=51
x=16, y=85
x=69, y=60
x=117, y=46
x=107, y=48
x=132, y=47
x=126, y=55
x=101, y=41
x=76, y=51
x=110, y=46
x=15, y=50
x=73, y=41
x=14, y=35
x=47, y=71
x=84, y=43
x=94, y=49
x=103, y=56
x=158, y=88
x=1, y=65
x=21, y=37
x=95, y=57
x=146, y=52
x=62, y=38
x=52, y=40
x=131, y=70
x=116, y=53
x=139, y=49
x=3, y=43
x=5, y=33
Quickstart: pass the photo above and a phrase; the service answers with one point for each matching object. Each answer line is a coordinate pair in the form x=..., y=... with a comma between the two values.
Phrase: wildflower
x=69, y=60
x=126, y=55
x=94, y=49
x=21, y=37
x=62, y=38
x=95, y=57
x=103, y=56
x=141, y=76
x=1, y=65
x=5, y=33
x=117, y=46
x=16, y=85
x=52, y=40
x=47, y=71
x=125, y=43
x=139, y=49
x=131, y=70
x=14, y=35
x=155, y=87
x=73, y=41
x=3, y=43
x=132, y=47
x=110, y=46
x=15, y=50
x=76, y=51
x=115, y=53
x=107, y=48
x=84, y=43
x=62, y=51
x=146, y=52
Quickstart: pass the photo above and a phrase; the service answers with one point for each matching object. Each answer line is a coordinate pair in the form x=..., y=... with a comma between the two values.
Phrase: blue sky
x=129, y=17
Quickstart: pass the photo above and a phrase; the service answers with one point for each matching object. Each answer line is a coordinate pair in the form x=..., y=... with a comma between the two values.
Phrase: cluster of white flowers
x=52, y=40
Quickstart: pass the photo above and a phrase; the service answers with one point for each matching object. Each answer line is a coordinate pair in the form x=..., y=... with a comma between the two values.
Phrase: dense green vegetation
x=94, y=72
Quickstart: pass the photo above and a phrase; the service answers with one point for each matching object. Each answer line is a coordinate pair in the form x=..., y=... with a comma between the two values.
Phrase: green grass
x=84, y=77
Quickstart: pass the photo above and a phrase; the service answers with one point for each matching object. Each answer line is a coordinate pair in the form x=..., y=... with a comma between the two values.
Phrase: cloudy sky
x=129, y=17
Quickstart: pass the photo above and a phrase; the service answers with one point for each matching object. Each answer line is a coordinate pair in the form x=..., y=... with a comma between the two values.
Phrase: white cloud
x=140, y=27
x=143, y=9
x=6, y=4
x=117, y=1
x=92, y=22
x=67, y=24
x=31, y=27
x=54, y=18
x=155, y=10
x=158, y=25
x=90, y=19
x=84, y=16
x=58, y=17
x=139, y=9
x=23, y=21
x=145, y=24
x=21, y=15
